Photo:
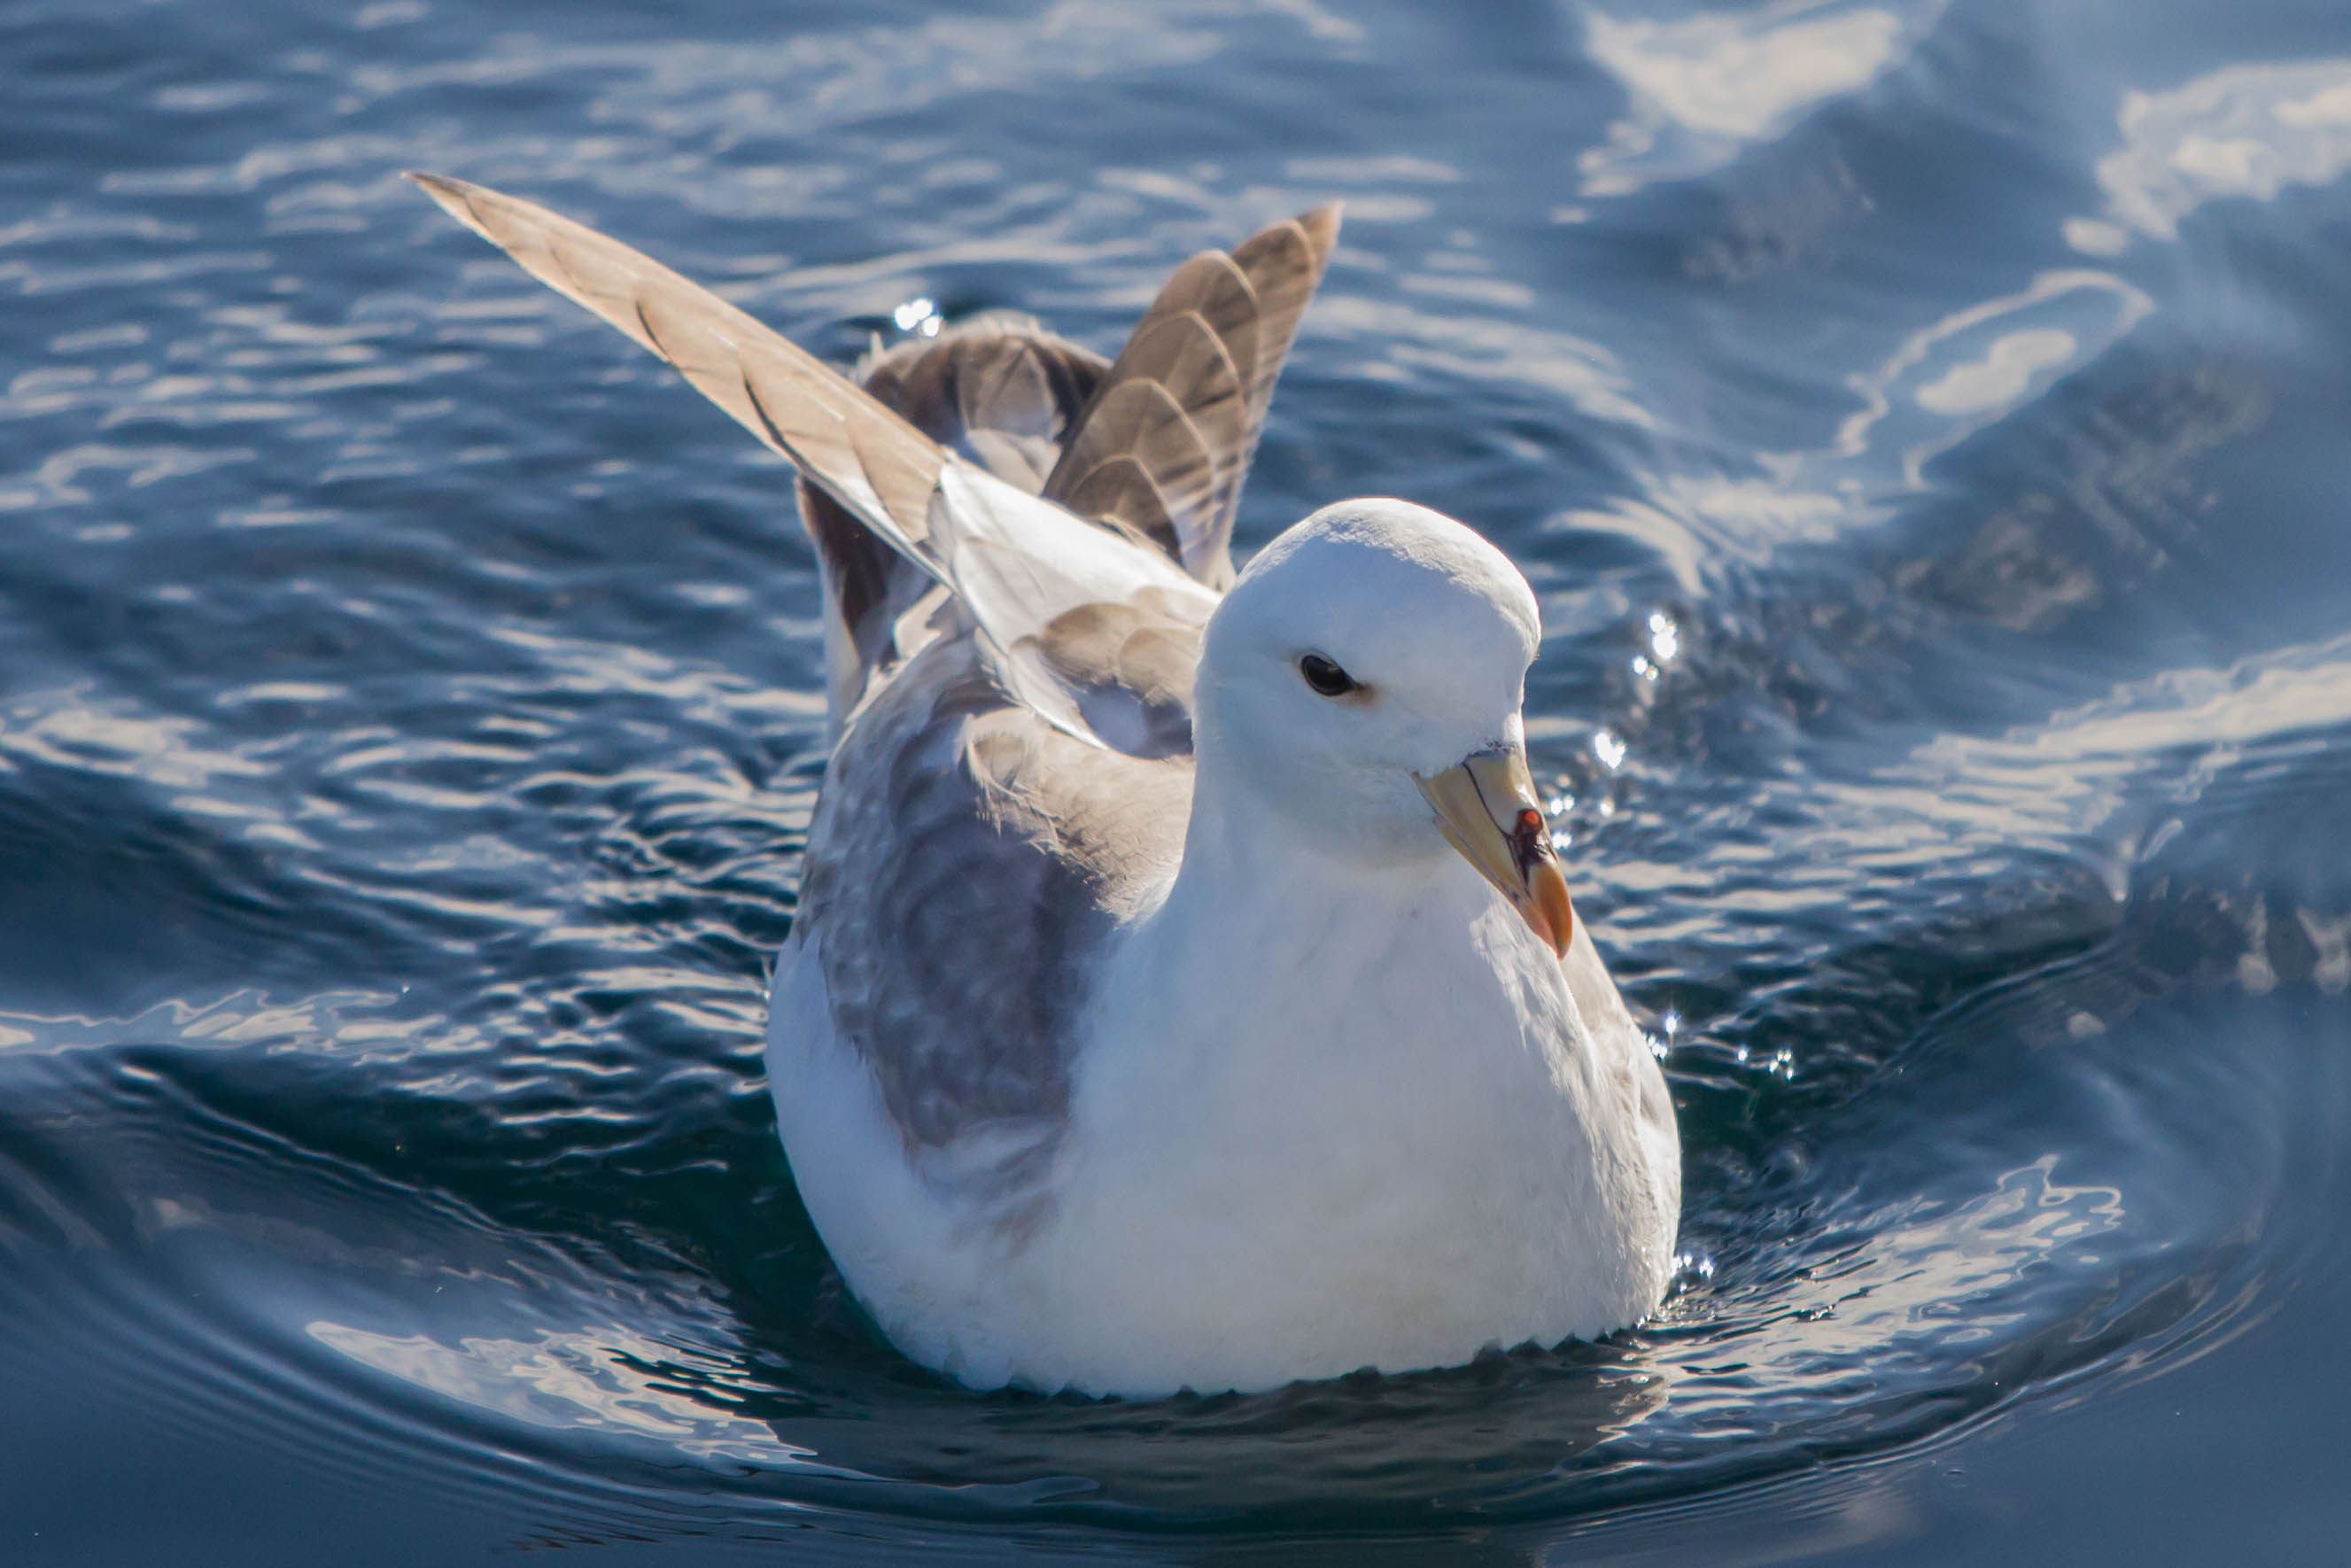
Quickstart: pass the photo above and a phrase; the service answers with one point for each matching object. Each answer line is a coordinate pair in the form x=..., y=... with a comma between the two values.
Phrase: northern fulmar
x=1185, y=991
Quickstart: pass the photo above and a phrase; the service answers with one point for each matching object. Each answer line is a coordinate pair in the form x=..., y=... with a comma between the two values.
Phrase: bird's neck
x=1258, y=923
x=1298, y=883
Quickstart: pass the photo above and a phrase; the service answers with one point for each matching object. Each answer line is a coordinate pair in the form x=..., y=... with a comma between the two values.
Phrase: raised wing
x=1164, y=445
x=873, y=463
x=1017, y=564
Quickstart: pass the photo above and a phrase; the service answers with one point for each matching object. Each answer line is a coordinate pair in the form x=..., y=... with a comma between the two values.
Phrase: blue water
x=1924, y=423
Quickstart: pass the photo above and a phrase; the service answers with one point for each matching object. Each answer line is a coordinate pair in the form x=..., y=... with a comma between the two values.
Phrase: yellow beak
x=1486, y=809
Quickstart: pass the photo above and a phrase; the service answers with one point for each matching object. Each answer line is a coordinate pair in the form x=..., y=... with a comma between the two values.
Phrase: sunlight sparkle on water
x=1665, y=637
x=919, y=315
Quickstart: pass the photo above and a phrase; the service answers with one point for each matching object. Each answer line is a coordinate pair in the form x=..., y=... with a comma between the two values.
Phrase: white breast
x=1406, y=1154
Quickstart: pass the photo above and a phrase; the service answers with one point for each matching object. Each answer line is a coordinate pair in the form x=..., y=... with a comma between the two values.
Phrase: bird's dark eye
x=1324, y=677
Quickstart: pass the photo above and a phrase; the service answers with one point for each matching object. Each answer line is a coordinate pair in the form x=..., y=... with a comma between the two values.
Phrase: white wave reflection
x=596, y=1379
x=2083, y=786
x=75, y=728
x=330, y=1020
x=1484, y=348
x=2248, y=130
x=2001, y=376
x=2048, y=784
x=1943, y=384
x=1706, y=86
x=1953, y=378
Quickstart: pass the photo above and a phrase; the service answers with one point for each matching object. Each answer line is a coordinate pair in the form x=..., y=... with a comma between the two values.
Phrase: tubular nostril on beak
x=1486, y=809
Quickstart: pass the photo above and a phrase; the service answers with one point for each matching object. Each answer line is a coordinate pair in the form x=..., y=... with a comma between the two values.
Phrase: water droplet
x=1609, y=747
x=1672, y=1022
x=920, y=314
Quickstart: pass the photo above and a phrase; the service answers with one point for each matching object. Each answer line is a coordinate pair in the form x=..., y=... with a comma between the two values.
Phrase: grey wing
x=964, y=859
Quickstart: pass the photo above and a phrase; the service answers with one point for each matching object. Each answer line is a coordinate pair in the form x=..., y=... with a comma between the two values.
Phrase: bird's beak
x=1486, y=809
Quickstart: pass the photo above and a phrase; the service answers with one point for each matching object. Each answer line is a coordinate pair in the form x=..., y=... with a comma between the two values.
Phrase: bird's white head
x=1360, y=689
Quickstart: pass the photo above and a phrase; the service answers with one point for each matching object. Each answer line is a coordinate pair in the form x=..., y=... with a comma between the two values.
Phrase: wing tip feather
x=1320, y=226
x=453, y=197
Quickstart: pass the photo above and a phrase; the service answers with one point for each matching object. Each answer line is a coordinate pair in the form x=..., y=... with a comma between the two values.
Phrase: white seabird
x=1185, y=991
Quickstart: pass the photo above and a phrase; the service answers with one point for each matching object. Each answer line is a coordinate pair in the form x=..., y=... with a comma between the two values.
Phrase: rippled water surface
x=1925, y=423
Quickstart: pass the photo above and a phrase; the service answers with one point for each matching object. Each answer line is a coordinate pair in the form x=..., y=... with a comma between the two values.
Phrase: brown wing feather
x=1284, y=264
x=1246, y=305
x=1139, y=425
x=1121, y=490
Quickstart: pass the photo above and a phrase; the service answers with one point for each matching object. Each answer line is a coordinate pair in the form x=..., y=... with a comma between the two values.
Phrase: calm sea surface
x=1928, y=427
